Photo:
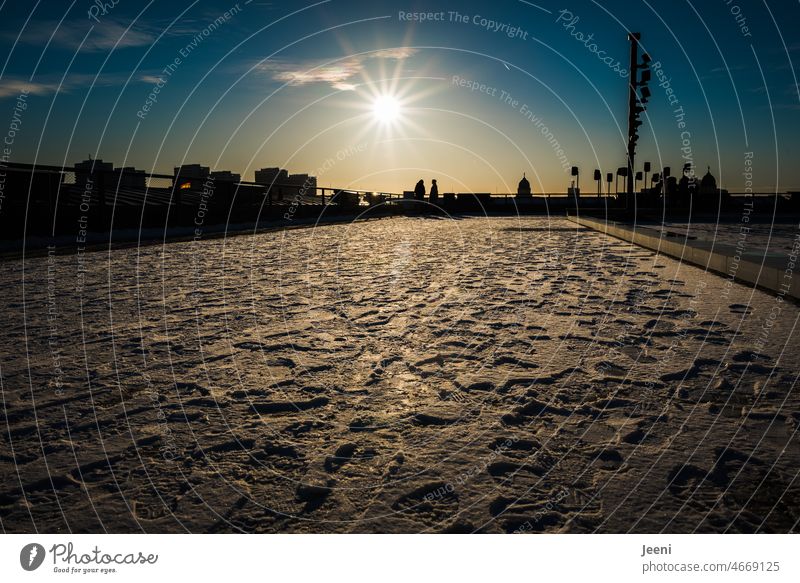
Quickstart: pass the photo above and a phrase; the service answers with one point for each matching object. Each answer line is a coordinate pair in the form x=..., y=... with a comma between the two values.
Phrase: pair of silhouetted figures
x=419, y=190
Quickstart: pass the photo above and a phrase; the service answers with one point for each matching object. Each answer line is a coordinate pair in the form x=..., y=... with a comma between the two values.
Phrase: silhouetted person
x=683, y=186
x=419, y=190
x=687, y=185
x=434, y=191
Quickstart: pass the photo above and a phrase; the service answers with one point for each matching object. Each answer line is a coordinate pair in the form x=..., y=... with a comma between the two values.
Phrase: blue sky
x=294, y=84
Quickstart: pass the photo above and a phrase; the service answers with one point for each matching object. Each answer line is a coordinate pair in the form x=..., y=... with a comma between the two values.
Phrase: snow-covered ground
x=402, y=375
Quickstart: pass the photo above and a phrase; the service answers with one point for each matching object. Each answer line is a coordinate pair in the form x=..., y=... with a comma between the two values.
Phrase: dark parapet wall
x=75, y=206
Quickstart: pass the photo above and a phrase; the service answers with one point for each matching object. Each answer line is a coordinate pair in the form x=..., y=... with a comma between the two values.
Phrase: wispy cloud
x=51, y=84
x=295, y=74
x=150, y=79
x=69, y=35
x=15, y=87
x=338, y=74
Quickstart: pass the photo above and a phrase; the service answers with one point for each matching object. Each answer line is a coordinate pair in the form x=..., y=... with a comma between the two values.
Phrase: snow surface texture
x=401, y=375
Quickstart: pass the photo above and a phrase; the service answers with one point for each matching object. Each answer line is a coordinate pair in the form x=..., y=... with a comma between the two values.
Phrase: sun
x=386, y=109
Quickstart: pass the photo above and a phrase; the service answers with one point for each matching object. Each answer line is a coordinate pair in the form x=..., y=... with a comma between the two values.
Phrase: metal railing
x=120, y=179
x=50, y=200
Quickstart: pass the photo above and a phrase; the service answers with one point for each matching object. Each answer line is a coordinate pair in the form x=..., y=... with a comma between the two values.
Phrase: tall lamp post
x=638, y=95
x=621, y=171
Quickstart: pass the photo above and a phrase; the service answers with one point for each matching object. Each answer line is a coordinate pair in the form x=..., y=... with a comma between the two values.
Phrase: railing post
x=174, y=214
x=101, y=199
x=323, y=197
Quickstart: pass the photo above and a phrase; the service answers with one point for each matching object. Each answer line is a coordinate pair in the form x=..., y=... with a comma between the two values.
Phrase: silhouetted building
x=190, y=176
x=94, y=169
x=708, y=184
x=225, y=176
x=285, y=184
x=126, y=177
x=524, y=188
x=710, y=196
x=272, y=176
x=306, y=185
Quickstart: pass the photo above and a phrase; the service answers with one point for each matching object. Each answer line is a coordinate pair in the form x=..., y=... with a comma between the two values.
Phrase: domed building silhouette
x=708, y=185
x=524, y=188
x=710, y=196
